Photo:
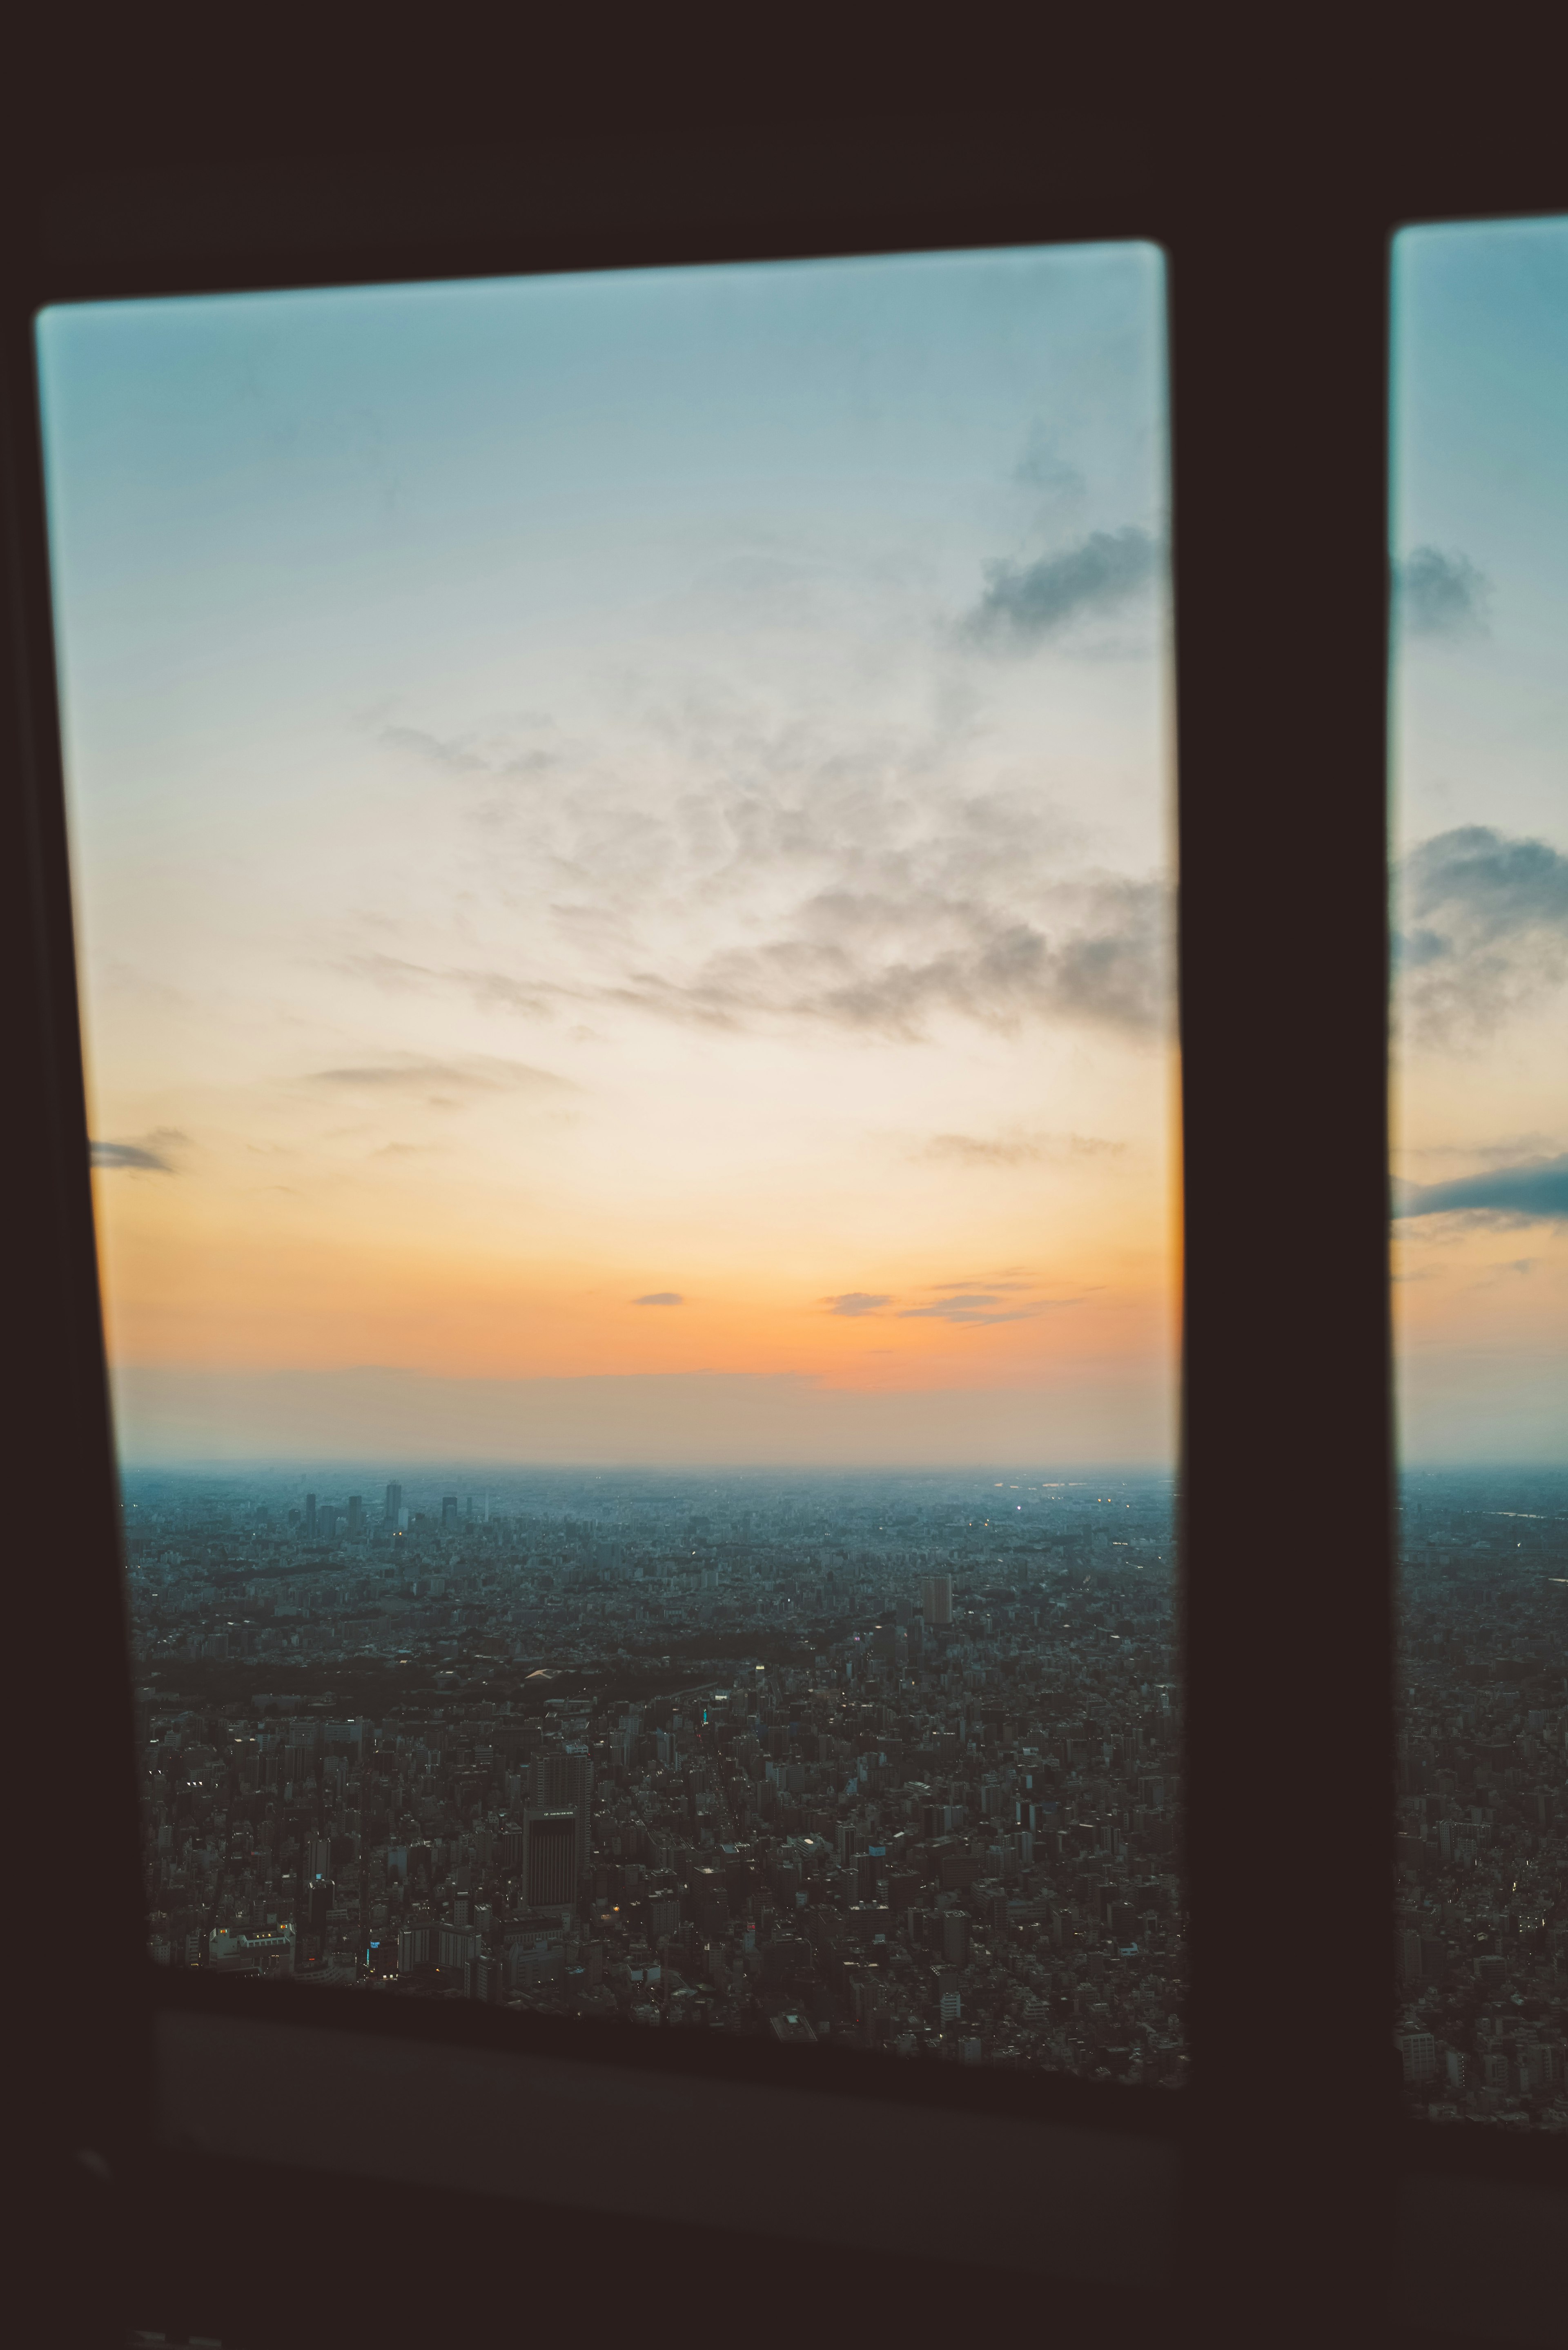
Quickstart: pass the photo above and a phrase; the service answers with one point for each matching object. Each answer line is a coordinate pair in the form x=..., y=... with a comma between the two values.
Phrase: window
x=621, y=835
x=1480, y=344
x=1292, y=2162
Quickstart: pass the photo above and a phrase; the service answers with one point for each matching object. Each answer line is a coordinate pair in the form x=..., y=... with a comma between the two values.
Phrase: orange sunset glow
x=669, y=889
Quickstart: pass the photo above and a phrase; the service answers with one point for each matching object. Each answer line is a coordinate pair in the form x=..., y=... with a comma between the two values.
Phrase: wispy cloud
x=1016, y=1149
x=478, y=1074
x=660, y=1298
x=1442, y=595
x=976, y=1308
x=461, y=755
x=129, y=1154
x=854, y=1302
x=1484, y=930
x=763, y=872
x=1534, y=1192
x=857, y=960
x=1043, y=467
x=1023, y=604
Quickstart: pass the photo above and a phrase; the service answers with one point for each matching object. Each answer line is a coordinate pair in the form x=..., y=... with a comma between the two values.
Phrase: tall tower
x=550, y=1853
x=309, y=1516
x=394, y=1503
x=563, y=1780
x=937, y=1598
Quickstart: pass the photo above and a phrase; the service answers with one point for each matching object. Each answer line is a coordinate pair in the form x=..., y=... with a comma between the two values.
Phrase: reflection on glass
x=1480, y=1189
x=622, y=842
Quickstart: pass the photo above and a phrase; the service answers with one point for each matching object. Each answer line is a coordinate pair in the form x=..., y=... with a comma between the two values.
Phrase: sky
x=1480, y=841
x=622, y=835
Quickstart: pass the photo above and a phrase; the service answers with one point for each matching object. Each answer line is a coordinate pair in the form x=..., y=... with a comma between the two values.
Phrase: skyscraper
x=563, y=1780
x=550, y=1859
x=449, y=1509
x=309, y=1516
x=394, y=1503
x=937, y=1598
x=356, y=1514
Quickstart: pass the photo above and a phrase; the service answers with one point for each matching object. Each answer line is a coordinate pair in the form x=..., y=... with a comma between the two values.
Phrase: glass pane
x=622, y=839
x=1481, y=1169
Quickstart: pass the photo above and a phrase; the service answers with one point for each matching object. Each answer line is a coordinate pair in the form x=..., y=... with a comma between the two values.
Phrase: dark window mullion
x=1279, y=332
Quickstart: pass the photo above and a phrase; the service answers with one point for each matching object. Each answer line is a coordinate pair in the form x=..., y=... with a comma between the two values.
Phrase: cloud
x=129, y=1154
x=660, y=1298
x=854, y=1302
x=855, y=961
x=463, y=756
x=1485, y=930
x=1442, y=595
x=1025, y=603
x=491, y=990
x=429, y=747
x=1040, y=467
x=409, y=1073
x=975, y=1150
x=973, y=1307
x=1534, y=1192
x=1017, y=1148
x=735, y=870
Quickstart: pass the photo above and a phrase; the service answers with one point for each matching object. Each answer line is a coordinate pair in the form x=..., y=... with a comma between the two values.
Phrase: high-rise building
x=356, y=1514
x=394, y=1504
x=563, y=1780
x=457, y=1946
x=414, y=1946
x=449, y=1509
x=309, y=1516
x=1419, y=2055
x=937, y=1598
x=550, y=1859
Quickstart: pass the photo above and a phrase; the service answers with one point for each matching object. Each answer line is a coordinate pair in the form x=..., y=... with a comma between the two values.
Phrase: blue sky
x=1480, y=828
x=609, y=789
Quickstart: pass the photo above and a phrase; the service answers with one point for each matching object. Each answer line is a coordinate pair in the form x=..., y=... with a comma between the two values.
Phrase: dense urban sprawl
x=1482, y=1848
x=889, y=1759
x=886, y=1759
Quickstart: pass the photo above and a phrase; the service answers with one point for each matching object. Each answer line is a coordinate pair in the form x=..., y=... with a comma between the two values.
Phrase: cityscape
x=1482, y=1848
x=888, y=1760
x=885, y=1760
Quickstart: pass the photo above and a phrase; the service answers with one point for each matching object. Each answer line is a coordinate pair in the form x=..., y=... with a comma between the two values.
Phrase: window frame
x=1278, y=326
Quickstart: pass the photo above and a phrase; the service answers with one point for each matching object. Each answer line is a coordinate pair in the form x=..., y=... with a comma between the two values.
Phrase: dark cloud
x=1023, y=603
x=129, y=1154
x=1442, y=595
x=1484, y=930
x=660, y=1298
x=856, y=1301
x=1534, y=1193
